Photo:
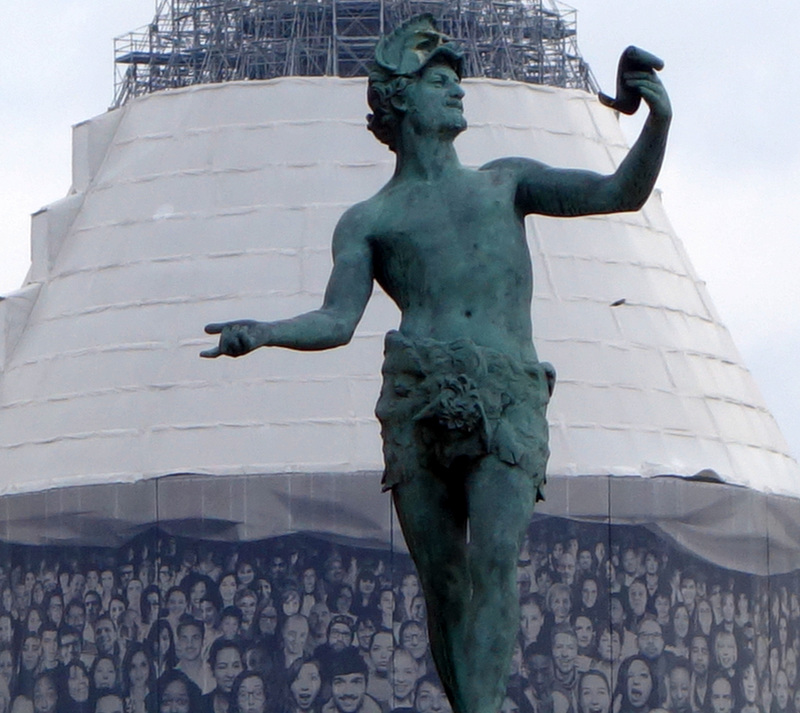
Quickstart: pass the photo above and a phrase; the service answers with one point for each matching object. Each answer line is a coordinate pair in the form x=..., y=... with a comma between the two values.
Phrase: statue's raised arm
x=568, y=193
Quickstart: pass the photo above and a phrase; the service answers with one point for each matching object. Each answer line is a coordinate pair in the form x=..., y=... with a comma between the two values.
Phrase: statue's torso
x=453, y=255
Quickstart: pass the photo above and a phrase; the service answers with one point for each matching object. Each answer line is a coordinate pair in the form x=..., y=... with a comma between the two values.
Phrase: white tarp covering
x=218, y=202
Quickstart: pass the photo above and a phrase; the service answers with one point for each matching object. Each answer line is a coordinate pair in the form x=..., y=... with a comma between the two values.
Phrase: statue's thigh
x=433, y=517
x=500, y=503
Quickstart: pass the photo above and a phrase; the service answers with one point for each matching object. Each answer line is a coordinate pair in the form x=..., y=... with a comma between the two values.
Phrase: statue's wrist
x=662, y=116
x=264, y=334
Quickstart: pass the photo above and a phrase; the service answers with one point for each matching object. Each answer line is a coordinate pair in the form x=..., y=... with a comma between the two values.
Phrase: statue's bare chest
x=448, y=236
x=471, y=214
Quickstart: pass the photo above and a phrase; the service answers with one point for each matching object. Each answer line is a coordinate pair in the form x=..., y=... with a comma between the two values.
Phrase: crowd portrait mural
x=613, y=619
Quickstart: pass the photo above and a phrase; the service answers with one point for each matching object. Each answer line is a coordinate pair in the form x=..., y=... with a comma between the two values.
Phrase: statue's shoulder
x=357, y=223
x=372, y=212
x=517, y=166
x=361, y=214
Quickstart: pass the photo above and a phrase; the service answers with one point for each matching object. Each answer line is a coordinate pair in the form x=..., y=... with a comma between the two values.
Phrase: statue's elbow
x=632, y=201
x=342, y=334
x=643, y=198
x=637, y=204
x=617, y=197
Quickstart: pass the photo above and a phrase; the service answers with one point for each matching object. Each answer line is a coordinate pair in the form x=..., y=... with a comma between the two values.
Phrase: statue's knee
x=450, y=582
x=498, y=558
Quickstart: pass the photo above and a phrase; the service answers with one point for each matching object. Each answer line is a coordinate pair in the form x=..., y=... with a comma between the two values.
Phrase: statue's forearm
x=634, y=179
x=312, y=331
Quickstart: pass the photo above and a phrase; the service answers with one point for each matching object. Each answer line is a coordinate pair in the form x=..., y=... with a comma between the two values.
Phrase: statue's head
x=401, y=58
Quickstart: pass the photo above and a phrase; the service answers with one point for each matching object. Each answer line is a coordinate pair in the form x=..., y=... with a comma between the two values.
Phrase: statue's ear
x=399, y=102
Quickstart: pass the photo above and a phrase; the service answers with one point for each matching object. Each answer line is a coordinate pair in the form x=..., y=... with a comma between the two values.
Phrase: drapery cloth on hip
x=445, y=405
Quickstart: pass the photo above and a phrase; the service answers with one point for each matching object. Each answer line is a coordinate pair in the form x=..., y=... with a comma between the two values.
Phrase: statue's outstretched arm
x=566, y=192
x=332, y=325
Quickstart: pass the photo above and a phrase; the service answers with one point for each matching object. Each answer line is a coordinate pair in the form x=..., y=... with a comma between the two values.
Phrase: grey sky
x=729, y=183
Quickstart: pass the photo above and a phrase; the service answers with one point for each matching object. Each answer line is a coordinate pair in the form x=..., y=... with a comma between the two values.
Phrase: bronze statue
x=463, y=402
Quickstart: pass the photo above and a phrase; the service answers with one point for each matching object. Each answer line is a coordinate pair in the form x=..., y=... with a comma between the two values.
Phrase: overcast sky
x=730, y=182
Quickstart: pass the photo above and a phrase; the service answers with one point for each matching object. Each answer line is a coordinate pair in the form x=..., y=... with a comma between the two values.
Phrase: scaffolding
x=206, y=41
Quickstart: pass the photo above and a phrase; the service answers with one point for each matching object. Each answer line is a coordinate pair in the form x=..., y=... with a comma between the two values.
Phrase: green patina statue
x=463, y=402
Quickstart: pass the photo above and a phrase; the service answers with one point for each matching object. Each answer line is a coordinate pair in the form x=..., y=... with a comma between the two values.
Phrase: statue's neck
x=427, y=157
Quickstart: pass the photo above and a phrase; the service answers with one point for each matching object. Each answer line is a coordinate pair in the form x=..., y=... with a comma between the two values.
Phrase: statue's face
x=432, y=103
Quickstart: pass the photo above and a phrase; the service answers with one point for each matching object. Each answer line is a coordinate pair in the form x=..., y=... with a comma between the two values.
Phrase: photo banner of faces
x=613, y=619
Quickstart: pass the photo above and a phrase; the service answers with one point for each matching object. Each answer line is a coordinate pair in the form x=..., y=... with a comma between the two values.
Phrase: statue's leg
x=434, y=522
x=501, y=501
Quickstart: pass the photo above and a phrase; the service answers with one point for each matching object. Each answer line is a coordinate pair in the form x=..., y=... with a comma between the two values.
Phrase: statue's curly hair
x=384, y=121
